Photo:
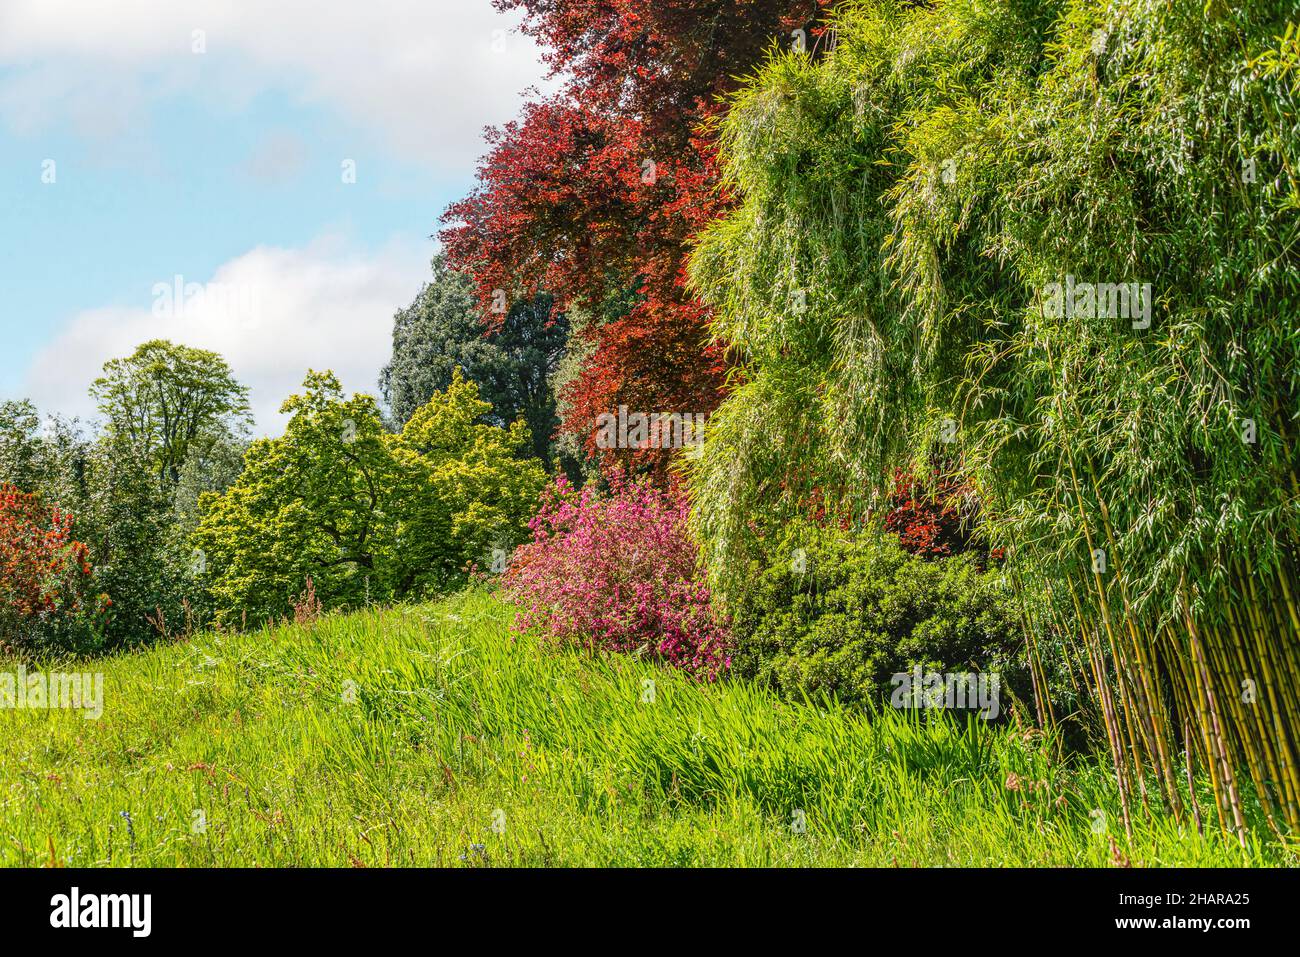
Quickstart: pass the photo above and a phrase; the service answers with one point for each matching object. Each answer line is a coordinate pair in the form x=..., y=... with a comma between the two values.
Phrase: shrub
x=618, y=572
x=840, y=612
x=45, y=578
x=934, y=518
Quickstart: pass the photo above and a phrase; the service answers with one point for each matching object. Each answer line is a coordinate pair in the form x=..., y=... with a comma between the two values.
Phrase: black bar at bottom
x=336, y=906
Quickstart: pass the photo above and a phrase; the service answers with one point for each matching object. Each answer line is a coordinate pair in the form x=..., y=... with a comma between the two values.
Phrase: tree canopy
x=366, y=515
x=512, y=364
x=165, y=399
x=595, y=193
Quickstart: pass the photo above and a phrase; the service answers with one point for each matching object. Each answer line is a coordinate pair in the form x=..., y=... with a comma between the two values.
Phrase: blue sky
x=208, y=141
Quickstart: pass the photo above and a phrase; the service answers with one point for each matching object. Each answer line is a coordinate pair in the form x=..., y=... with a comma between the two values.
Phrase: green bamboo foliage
x=909, y=205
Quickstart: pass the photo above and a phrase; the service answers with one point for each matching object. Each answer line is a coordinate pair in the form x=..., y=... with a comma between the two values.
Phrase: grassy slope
x=453, y=721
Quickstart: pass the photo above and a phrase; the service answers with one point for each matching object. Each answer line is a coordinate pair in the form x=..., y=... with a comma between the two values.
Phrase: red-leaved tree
x=595, y=194
x=935, y=518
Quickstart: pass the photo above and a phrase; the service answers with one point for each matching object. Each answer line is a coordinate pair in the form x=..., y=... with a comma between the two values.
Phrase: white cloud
x=425, y=75
x=273, y=313
x=280, y=156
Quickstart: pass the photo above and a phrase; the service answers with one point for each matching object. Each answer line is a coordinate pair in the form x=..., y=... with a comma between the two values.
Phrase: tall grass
x=395, y=738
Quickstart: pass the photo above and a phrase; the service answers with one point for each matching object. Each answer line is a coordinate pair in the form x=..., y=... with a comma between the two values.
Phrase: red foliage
x=618, y=572
x=655, y=359
x=598, y=191
x=932, y=519
x=43, y=571
x=661, y=59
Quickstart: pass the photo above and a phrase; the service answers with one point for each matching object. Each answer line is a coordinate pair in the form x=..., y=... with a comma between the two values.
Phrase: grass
x=401, y=737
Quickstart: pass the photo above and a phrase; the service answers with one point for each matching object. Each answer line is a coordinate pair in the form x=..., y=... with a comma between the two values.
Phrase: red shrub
x=44, y=573
x=618, y=572
x=932, y=519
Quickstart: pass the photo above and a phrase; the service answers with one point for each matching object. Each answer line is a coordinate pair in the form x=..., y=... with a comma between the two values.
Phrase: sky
x=281, y=165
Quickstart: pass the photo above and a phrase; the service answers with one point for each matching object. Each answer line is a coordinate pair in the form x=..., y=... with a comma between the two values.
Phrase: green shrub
x=839, y=613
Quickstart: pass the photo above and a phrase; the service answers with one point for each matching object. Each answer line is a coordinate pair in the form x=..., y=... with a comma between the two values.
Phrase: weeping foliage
x=915, y=209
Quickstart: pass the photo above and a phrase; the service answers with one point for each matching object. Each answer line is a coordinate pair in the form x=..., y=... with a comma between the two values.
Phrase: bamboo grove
x=1056, y=244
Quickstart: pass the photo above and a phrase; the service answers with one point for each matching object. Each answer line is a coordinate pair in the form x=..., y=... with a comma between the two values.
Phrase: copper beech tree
x=595, y=193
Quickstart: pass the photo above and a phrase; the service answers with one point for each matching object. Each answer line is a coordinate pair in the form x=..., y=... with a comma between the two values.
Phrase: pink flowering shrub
x=618, y=572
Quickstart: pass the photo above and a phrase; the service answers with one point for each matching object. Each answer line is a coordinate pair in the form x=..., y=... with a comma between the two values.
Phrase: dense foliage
x=173, y=424
x=618, y=572
x=1062, y=239
x=364, y=515
x=830, y=612
x=934, y=515
x=45, y=578
x=512, y=364
x=595, y=193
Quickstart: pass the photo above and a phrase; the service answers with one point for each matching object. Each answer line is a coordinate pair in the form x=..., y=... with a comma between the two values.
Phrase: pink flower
x=619, y=572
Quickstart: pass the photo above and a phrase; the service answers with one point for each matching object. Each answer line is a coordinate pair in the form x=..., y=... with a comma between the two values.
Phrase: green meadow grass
x=431, y=736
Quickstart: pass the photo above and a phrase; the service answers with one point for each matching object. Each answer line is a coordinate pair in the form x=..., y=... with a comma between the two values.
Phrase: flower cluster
x=618, y=572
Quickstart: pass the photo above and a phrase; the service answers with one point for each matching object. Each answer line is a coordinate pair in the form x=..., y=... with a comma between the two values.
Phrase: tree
x=20, y=443
x=364, y=514
x=126, y=520
x=512, y=364
x=595, y=194
x=309, y=504
x=165, y=399
x=465, y=490
x=50, y=460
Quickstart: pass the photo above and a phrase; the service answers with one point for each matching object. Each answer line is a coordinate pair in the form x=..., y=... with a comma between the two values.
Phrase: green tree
x=124, y=515
x=513, y=366
x=49, y=460
x=466, y=489
x=365, y=514
x=20, y=443
x=308, y=504
x=165, y=399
